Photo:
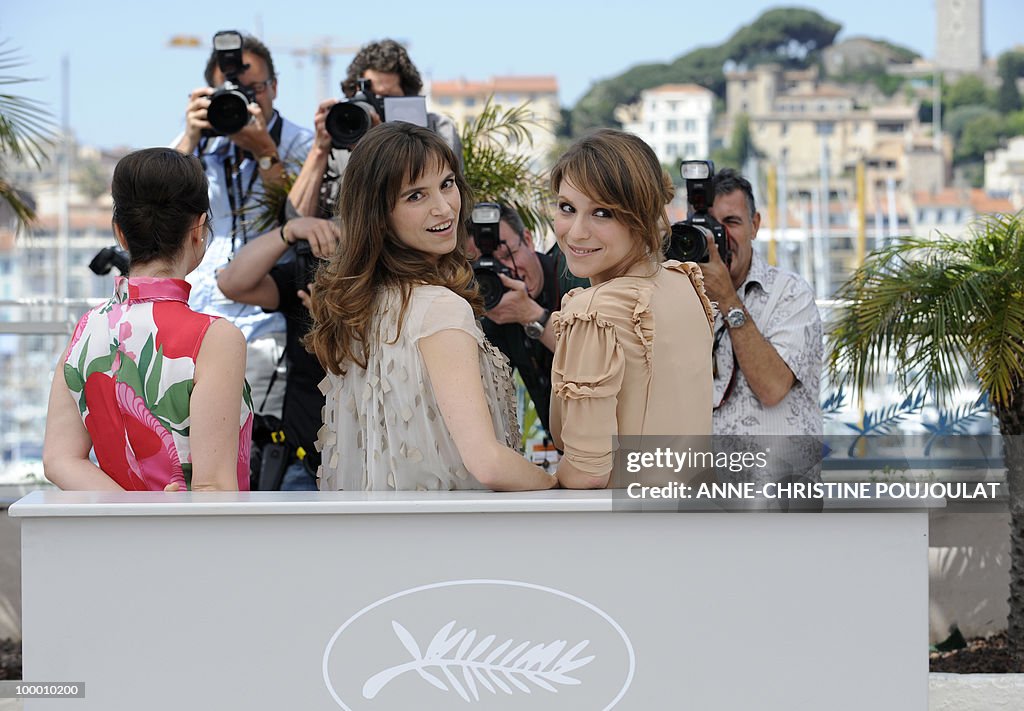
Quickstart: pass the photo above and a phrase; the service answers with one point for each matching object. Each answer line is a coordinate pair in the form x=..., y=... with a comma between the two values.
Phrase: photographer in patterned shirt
x=768, y=335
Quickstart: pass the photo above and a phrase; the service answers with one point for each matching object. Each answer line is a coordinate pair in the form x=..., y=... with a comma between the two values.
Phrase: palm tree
x=26, y=133
x=498, y=173
x=928, y=307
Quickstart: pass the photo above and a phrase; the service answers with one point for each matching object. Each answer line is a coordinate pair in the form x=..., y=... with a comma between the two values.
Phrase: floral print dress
x=130, y=367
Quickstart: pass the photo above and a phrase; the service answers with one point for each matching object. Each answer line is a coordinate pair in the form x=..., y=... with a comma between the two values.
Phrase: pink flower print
x=114, y=315
x=79, y=328
x=124, y=332
x=150, y=450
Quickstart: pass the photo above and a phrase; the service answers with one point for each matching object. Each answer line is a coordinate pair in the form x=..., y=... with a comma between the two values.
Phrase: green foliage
x=887, y=83
x=792, y=37
x=741, y=146
x=956, y=121
x=1015, y=124
x=1011, y=66
x=924, y=308
x=980, y=135
x=968, y=90
x=498, y=174
x=26, y=133
x=92, y=180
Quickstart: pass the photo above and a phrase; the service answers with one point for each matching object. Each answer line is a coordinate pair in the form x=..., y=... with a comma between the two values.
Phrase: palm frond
x=496, y=172
x=27, y=131
x=267, y=207
x=932, y=309
x=881, y=422
x=955, y=422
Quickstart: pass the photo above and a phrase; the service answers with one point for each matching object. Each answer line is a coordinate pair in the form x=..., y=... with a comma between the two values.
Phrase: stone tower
x=958, y=35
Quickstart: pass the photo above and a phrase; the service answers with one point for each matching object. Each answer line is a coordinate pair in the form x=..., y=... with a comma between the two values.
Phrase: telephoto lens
x=229, y=110
x=347, y=121
x=688, y=243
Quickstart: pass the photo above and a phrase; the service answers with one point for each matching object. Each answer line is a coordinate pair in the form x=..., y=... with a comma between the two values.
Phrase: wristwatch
x=736, y=317
x=267, y=162
x=535, y=329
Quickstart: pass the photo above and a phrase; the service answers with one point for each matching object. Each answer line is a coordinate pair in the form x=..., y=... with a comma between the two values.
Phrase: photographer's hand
x=766, y=373
x=517, y=306
x=305, y=192
x=718, y=281
x=323, y=139
x=306, y=297
x=195, y=119
x=322, y=235
x=254, y=137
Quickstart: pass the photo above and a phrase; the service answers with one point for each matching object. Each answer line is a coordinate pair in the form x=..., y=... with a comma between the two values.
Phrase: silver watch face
x=736, y=318
x=534, y=330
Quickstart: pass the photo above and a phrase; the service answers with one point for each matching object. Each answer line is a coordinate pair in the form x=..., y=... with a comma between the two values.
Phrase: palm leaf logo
x=503, y=667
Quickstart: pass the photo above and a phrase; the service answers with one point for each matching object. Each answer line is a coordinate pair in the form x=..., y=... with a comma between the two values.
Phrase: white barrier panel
x=543, y=600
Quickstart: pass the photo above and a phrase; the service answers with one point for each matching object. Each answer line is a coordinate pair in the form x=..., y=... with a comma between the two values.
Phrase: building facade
x=463, y=101
x=674, y=120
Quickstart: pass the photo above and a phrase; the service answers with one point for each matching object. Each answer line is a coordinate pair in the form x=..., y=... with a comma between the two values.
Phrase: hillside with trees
x=792, y=37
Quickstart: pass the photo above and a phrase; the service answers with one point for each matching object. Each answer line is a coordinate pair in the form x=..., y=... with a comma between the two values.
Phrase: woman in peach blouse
x=633, y=351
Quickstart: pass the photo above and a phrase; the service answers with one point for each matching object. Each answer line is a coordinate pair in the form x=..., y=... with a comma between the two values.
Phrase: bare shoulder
x=223, y=340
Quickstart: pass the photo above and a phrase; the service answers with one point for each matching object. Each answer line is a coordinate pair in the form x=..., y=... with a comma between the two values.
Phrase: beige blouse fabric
x=632, y=357
x=382, y=426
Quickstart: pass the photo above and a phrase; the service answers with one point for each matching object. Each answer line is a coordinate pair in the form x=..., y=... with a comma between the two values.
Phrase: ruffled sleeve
x=586, y=378
x=696, y=277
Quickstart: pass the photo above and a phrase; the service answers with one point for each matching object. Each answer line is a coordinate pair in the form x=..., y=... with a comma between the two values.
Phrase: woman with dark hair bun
x=155, y=389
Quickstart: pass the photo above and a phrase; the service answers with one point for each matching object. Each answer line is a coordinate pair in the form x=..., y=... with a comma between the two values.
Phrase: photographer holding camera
x=520, y=295
x=768, y=335
x=256, y=277
x=243, y=143
x=379, y=76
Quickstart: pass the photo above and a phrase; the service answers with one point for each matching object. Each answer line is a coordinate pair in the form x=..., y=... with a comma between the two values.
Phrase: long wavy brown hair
x=348, y=290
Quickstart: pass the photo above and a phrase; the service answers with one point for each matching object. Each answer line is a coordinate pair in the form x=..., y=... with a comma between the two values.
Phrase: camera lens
x=490, y=286
x=688, y=243
x=346, y=123
x=228, y=112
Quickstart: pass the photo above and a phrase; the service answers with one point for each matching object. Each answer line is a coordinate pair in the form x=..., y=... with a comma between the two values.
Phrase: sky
x=127, y=87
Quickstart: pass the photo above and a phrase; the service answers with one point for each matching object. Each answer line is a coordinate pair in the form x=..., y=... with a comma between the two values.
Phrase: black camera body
x=688, y=241
x=350, y=118
x=486, y=221
x=110, y=258
x=306, y=264
x=229, y=104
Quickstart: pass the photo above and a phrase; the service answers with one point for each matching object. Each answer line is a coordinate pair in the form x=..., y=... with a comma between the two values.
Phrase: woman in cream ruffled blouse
x=416, y=398
x=633, y=351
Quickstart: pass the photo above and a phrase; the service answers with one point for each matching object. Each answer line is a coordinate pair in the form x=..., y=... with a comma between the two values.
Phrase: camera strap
x=237, y=198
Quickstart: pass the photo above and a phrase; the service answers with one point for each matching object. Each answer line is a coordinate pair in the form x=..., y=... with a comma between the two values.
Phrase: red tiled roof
x=976, y=198
x=496, y=85
x=679, y=89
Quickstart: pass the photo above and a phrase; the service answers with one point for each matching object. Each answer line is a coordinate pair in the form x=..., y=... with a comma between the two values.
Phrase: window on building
x=690, y=149
x=444, y=100
x=824, y=128
x=671, y=126
x=672, y=150
x=783, y=128
x=651, y=128
x=689, y=125
x=470, y=101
